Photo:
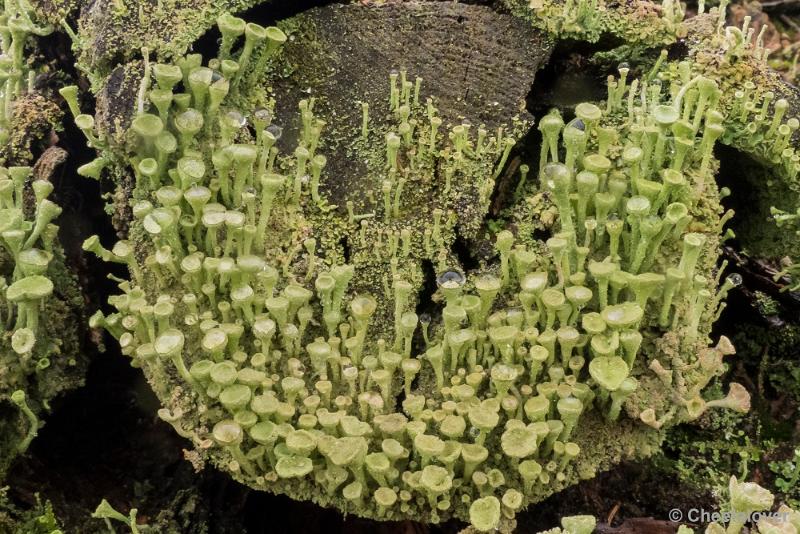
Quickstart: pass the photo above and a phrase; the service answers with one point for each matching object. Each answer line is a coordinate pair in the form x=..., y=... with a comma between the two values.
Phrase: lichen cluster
x=759, y=120
x=758, y=105
x=575, y=524
x=643, y=23
x=253, y=324
x=637, y=211
x=27, y=287
x=37, y=294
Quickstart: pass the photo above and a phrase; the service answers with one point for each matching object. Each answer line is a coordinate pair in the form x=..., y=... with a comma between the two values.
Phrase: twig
x=788, y=21
x=613, y=513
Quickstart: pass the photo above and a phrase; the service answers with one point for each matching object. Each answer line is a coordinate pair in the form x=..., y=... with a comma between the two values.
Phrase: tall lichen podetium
x=299, y=372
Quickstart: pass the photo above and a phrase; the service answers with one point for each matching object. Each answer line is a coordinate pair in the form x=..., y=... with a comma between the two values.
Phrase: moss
x=35, y=117
x=774, y=350
x=56, y=11
x=39, y=519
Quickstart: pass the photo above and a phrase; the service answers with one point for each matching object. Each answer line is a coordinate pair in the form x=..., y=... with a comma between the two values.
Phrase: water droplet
x=425, y=318
x=235, y=118
x=623, y=65
x=275, y=130
x=450, y=278
x=578, y=125
x=735, y=279
x=262, y=115
x=215, y=76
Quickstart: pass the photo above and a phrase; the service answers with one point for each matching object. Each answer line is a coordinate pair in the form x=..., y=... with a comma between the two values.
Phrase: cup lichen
x=304, y=358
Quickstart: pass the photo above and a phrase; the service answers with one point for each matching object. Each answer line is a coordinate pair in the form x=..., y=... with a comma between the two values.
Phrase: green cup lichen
x=36, y=347
x=304, y=358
